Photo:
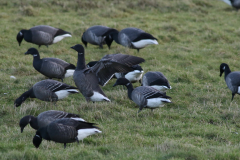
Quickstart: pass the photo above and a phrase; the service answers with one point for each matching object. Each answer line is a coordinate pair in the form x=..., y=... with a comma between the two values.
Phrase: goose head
x=122, y=81
x=223, y=67
x=32, y=51
x=79, y=48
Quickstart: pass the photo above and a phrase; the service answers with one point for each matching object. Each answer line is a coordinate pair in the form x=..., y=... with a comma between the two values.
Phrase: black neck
x=33, y=122
x=27, y=35
x=81, y=62
x=227, y=71
x=26, y=94
x=115, y=36
x=130, y=89
x=43, y=133
x=37, y=62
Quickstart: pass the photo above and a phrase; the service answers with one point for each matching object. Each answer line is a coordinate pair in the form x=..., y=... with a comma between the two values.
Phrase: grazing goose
x=234, y=3
x=42, y=35
x=44, y=118
x=47, y=90
x=133, y=76
x=134, y=38
x=51, y=67
x=232, y=79
x=144, y=96
x=65, y=130
x=88, y=79
x=156, y=80
x=98, y=35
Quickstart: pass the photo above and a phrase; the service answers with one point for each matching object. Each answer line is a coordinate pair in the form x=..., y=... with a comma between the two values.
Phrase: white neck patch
x=20, y=33
x=127, y=84
x=35, y=55
x=224, y=68
x=37, y=136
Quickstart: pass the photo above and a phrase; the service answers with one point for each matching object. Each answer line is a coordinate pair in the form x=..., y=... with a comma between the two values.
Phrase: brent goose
x=65, y=130
x=42, y=35
x=47, y=90
x=134, y=38
x=98, y=35
x=144, y=96
x=232, y=79
x=45, y=118
x=88, y=79
x=156, y=80
x=51, y=67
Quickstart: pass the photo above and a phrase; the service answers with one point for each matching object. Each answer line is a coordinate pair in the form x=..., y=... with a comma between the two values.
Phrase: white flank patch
x=69, y=73
x=143, y=43
x=161, y=88
x=59, y=38
x=83, y=133
x=64, y=93
x=157, y=102
x=135, y=75
x=238, y=90
x=227, y=1
x=79, y=119
x=12, y=77
x=98, y=97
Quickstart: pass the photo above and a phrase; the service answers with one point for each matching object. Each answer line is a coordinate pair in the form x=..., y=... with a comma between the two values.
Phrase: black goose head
x=32, y=51
x=37, y=139
x=137, y=67
x=223, y=67
x=122, y=81
x=20, y=100
x=79, y=48
x=92, y=63
x=20, y=36
x=24, y=121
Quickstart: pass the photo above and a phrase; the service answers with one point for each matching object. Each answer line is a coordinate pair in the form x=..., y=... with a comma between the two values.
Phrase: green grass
x=195, y=37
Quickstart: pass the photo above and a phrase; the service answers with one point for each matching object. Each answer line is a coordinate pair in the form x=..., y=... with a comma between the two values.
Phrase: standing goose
x=51, y=67
x=156, y=80
x=232, y=79
x=144, y=96
x=134, y=38
x=42, y=35
x=234, y=3
x=65, y=130
x=88, y=79
x=133, y=76
x=44, y=118
x=47, y=90
x=98, y=35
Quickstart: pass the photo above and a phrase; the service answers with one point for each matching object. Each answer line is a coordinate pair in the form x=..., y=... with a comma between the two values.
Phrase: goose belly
x=134, y=76
x=157, y=102
x=160, y=88
x=69, y=73
x=98, y=97
x=59, y=38
x=143, y=43
x=83, y=133
x=64, y=93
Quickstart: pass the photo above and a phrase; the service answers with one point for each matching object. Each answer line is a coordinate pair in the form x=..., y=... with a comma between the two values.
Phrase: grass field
x=195, y=37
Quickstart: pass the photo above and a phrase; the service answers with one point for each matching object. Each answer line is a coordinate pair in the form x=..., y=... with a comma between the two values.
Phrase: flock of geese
x=63, y=127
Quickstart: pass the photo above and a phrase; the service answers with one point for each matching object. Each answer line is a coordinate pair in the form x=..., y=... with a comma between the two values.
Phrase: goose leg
x=46, y=46
x=77, y=140
x=39, y=46
x=65, y=145
x=233, y=94
x=62, y=79
x=100, y=46
x=138, y=50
